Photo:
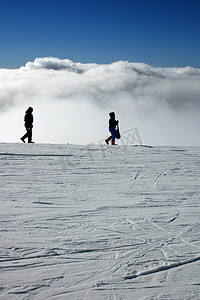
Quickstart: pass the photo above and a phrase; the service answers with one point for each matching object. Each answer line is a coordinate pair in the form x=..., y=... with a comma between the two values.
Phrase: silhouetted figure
x=28, y=119
x=112, y=128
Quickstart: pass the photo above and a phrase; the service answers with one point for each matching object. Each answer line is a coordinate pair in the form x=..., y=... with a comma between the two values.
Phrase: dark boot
x=113, y=142
x=22, y=140
x=24, y=137
x=108, y=140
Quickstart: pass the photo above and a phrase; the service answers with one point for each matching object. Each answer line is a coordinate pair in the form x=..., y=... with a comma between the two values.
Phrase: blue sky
x=160, y=33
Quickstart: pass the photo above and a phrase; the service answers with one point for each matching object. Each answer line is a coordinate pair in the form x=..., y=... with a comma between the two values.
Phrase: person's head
x=29, y=110
x=112, y=114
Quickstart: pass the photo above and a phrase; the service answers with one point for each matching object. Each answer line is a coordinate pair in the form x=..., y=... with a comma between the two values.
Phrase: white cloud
x=71, y=101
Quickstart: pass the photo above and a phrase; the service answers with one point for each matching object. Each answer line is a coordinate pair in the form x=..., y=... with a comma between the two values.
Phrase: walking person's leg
x=29, y=132
x=113, y=133
x=25, y=136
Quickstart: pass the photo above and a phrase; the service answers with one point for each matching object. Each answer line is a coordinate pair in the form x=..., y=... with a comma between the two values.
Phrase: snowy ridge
x=35, y=155
x=99, y=222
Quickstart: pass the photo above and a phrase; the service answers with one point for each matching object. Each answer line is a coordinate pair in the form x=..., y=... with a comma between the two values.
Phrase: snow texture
x=99, y=222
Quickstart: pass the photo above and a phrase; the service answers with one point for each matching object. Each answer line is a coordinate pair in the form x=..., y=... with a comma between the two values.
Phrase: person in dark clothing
x=112, y=128
x=28, y=123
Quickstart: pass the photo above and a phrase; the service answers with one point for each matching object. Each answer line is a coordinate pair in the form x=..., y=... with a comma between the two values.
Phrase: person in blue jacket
x=112, y=128
x=28, y=123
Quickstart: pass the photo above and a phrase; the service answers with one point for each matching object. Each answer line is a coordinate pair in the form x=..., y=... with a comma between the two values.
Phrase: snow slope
x=93, y=222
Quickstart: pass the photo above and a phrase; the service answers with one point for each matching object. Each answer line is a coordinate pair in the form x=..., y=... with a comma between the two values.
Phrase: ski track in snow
x=94, y=222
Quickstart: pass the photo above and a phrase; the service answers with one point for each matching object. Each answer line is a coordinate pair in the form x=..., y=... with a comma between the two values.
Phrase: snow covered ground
x=93, y=222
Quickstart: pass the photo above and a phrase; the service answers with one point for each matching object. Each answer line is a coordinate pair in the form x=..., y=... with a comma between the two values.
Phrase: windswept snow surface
x=99, y=222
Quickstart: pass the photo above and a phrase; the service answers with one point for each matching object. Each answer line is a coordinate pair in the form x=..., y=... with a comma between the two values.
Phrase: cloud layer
x=68, y=96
